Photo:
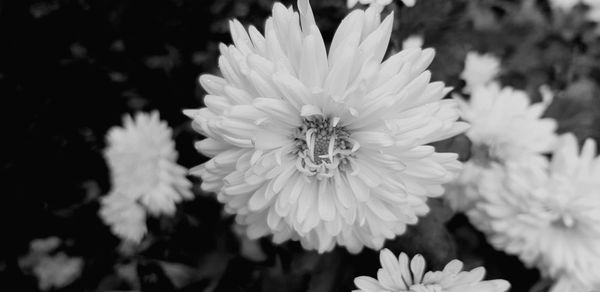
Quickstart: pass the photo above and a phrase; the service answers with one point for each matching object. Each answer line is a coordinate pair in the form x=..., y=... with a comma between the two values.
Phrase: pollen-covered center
x=322, y=146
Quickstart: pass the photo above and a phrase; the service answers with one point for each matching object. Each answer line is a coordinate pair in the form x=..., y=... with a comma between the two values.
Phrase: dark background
x=70, y=69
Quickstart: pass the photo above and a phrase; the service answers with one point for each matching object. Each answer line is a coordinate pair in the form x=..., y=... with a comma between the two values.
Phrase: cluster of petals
x=400, y=274
x=328, y=148
x=549, y=216
x=144, y=173
x=505, y=129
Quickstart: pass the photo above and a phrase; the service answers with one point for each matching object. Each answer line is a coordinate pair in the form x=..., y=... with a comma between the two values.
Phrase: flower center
x=323, y=146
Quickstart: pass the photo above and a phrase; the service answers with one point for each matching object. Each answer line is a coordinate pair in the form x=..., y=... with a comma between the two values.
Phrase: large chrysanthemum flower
x=142, y=160
x=551, y=220
x=505, y=129
x=324, y=148
x=401, y=275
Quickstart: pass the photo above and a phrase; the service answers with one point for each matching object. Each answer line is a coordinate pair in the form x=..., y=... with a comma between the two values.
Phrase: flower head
x=480, y=70
x=399, y=274
x=322, y=147
x=142, y=160
x=550, y=219
x=505, y=129
x=505, y=126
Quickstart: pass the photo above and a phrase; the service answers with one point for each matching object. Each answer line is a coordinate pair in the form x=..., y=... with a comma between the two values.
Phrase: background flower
x=144, y=172
x=549, y=220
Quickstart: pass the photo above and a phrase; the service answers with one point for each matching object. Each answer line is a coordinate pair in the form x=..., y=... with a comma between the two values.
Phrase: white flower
x=352, y=3
x=401, y=275
x=571, y=284
x=324, y=148
x=52, y=269
x=142, y=160
x=57, y=271
x=564, y=5
x=505, y=126
x=551, y=220
x=126, y=217
x=480, y=69
x=413, y=41
x=505, y=129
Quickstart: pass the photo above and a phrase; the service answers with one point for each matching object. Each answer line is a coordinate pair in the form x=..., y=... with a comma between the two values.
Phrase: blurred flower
x=551, y=220
x=564, y=5
x=412, y=42
x=125, y=216
x=322, y=148
x=505, y=128
x=57, y=271
x=571, y=284
x=401, y=275
x=480, y=69
x=52, y=271
x=142, y=159
x=474, y=181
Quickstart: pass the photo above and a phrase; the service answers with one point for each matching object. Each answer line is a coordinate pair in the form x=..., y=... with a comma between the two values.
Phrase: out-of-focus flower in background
x=551, y=220
x=479, y=70
x=144, y=172
x=564, y=5
x=400, y=274
x=505, y=128
x=324, y=148
x=53, y=270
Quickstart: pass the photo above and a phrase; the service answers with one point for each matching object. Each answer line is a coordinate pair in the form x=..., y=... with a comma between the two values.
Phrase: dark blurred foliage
x=70, y=69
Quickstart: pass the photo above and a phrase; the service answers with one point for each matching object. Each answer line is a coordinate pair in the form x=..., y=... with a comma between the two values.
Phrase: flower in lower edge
x=145, y=175
x=324, y=148
x=399, y=274
x=479, y=70
x=551, y=220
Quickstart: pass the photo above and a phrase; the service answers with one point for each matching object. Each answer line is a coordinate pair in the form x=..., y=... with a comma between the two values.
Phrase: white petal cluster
x=53, y=270
x=505, y=129
x=479, y=70
x=324, y=147
x=564, y=5
x=399, y=274
x=550, y=218
x=572, y=284
x=145, y=175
